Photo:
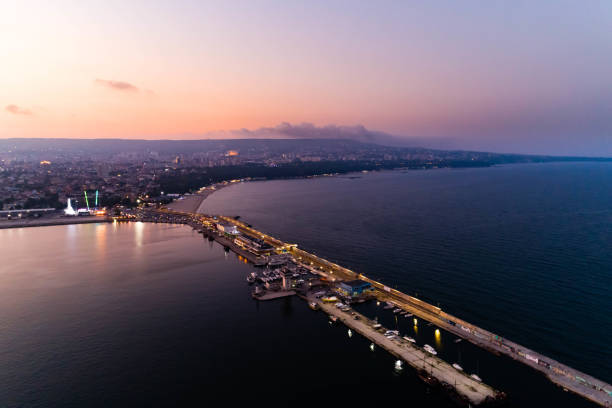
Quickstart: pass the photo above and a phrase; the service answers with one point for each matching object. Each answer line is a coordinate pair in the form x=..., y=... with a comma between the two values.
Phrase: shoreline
x=197, y=199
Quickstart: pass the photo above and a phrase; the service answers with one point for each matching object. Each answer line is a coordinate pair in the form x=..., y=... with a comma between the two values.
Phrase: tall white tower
x=69, y=210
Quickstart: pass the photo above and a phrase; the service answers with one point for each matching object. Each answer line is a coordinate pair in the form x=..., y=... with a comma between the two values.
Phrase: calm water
x=154, y=315
x=524, y=250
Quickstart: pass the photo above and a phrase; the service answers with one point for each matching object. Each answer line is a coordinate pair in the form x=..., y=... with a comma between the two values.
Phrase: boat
x=313, y=306
x=388, y=306
x=408, y=315
x=333, y=318
x=250, y=279
x=457, y=367
x=398, y=310
x=377, y=326
x=477, y=378
x=410, y=339
x=458, y=340
x=430, y=349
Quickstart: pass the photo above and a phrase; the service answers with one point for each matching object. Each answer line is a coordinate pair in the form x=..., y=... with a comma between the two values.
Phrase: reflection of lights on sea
x=438, y=338
x=350, y=333
x=372, y=346
x=398, y=365
x=415, y=321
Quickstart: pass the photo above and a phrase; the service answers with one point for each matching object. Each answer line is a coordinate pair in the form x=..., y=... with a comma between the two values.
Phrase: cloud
x=310, y=131
x=117, y=85
x=16, y=110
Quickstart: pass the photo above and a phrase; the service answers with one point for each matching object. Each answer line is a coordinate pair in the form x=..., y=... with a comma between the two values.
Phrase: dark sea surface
x=99, y=315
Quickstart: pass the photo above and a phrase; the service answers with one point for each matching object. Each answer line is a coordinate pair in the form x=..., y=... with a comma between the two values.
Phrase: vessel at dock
x=430, y=349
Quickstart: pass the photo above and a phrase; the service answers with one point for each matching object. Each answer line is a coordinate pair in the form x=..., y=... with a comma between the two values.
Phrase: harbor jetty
x=51, y=221
x=260, y=248
x=433, y=370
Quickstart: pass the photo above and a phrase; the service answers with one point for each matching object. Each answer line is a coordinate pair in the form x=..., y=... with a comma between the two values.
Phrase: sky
x=506, y=76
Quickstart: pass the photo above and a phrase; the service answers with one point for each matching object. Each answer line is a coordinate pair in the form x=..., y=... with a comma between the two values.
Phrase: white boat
x=377, y=326
x=408, y=315
x=457, y=367
x=477, y=378
x=389, y=305
x=394, y=332
x=333, y=318
x=410, y=339
x=398, y=310
x=430, y=349
x=457, y=340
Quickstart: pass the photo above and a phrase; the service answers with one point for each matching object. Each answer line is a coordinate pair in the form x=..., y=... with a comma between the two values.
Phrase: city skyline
x=501, y=76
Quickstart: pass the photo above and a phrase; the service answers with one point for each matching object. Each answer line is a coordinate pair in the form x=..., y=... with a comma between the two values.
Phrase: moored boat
x=430, y=349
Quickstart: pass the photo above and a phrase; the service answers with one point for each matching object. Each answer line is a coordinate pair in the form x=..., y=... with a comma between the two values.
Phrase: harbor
x=432, y=370
x=225, y=230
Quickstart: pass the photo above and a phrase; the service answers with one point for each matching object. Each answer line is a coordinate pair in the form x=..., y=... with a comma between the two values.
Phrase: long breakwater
x=564, y=376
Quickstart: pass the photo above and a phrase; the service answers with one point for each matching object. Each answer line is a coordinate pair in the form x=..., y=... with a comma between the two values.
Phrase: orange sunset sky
x=493, y=75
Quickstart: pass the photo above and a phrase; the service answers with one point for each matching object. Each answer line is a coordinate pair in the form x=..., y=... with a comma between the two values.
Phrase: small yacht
x=457, y=340
x=313, y=305
x=457, y=367
x=477, y=378
x=430, y=349
x=410, y=339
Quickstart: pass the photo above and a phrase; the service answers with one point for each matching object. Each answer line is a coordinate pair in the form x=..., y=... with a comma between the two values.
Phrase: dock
x=468, y=389
x=564, y=376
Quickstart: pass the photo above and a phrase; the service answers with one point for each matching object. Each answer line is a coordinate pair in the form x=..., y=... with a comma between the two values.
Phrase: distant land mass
x=38, y=173
x=110, y=147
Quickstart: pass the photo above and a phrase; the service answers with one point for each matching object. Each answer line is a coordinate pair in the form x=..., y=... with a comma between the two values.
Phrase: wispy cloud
x=117, y=85
x=16, y=110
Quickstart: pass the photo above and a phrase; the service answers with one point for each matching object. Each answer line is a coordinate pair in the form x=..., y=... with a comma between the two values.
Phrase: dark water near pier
x=154, y=315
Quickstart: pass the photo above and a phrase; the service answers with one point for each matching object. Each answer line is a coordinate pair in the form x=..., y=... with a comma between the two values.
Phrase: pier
x=564, y=376
x=467, y=389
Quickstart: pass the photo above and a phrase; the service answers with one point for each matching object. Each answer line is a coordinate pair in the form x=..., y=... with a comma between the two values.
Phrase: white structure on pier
x=69, y=210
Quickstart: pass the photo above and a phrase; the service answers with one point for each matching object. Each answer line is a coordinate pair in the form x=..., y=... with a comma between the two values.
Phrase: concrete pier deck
x=472, y=391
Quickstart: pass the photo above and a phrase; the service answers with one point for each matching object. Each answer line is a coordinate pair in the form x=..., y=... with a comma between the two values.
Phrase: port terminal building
x=355, y=288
